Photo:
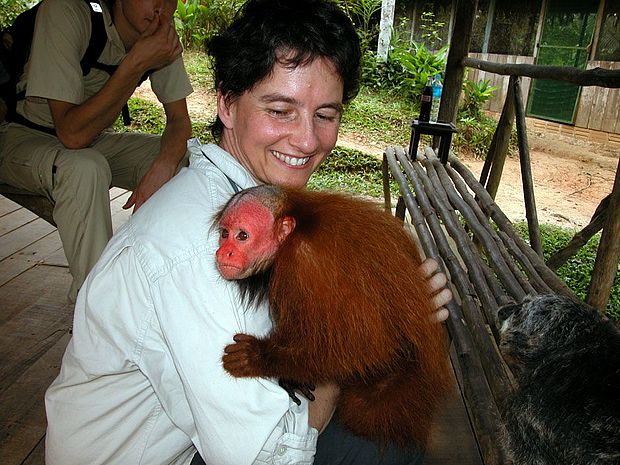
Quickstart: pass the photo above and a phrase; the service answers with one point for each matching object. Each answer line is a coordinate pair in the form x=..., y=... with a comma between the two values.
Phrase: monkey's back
x=348, y=277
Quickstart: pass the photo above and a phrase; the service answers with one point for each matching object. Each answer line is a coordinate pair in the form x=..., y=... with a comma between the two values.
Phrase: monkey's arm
x=253, y=357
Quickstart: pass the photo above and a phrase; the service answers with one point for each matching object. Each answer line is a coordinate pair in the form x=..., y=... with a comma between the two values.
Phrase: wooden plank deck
x=35, y=325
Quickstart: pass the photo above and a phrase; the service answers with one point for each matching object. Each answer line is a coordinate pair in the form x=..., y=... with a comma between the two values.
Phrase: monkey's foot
x=244, y=357
x=292, y=387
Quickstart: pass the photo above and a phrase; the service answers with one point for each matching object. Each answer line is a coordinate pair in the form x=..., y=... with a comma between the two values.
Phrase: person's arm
x=173, y=147
x=78, y=125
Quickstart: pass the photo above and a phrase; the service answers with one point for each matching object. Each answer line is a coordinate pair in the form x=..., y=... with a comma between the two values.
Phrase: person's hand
x=158, y=175
x=437, y=283
x=158, y=45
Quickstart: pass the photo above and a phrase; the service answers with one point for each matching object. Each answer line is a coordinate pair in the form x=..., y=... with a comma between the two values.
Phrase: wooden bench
x=488, y=264
x=37, y=204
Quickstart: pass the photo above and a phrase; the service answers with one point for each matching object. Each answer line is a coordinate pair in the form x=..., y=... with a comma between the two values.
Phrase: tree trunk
x=385, y=29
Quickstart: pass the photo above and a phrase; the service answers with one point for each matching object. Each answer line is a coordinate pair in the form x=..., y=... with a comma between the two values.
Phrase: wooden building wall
x=598, y=107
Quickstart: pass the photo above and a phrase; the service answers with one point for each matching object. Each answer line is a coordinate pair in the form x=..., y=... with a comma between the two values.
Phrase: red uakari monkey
x=348, y=305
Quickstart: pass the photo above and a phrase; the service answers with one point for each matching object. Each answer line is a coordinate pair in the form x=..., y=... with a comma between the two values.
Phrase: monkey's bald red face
x=249, y=239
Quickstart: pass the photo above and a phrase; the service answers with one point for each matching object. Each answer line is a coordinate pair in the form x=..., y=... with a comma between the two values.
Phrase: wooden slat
x=26, y=258
x=23, y=237
x=34, y=331
x=7, y=206
x=23, y=424
x=15, y=219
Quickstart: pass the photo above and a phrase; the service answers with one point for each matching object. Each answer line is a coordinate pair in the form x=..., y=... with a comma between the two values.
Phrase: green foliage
x=9, y=9
x=363, y=14
x=431, y=30
x=474, y=134
x=145, y=117
x=351, y=171
x=198, y=20
x=198, y=66
x=577, y=271
x=149, y=117
x=475, y=95
x=406, y=71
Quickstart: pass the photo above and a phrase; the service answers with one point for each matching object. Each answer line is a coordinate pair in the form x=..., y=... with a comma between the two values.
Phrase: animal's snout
x=504, y=312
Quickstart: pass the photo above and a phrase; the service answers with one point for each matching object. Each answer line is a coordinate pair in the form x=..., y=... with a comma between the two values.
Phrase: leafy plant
x=431, y=30
x=363, y=14
x=9, y=9
x=197, y=20
x=406, y=71
x=475, y=95
x=189, y=19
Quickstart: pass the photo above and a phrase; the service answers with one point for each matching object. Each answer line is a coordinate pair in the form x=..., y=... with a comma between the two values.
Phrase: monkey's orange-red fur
x=349, y=306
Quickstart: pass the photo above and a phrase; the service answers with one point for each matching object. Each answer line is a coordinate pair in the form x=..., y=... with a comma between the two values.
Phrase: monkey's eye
x=224, y=233
x=242, y=236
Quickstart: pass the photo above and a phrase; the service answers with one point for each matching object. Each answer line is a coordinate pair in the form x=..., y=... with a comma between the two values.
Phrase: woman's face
x=285, y=126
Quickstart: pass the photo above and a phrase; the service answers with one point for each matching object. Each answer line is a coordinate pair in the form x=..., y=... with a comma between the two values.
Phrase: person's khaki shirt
x=62, y=34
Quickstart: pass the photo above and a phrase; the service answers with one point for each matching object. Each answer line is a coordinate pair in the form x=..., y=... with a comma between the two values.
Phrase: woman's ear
x=225, y=109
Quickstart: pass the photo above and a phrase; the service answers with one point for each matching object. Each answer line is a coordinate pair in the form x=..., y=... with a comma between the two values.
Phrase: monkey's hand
x=243, y=358
x=291, y=387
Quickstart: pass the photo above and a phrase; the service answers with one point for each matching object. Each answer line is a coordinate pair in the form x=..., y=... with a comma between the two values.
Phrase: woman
x=142, y=380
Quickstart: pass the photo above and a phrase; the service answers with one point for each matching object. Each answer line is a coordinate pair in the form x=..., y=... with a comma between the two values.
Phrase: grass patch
x=577, y=271
x=379, y=117
x=352, y=171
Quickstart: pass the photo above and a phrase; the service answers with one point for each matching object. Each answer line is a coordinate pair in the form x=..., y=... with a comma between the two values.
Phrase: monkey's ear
x=286, y=226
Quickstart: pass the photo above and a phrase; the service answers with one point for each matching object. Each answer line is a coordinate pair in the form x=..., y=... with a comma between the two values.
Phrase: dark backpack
x=15, y=43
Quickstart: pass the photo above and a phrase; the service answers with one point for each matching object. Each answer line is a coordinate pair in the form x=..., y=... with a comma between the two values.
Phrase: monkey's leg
x=395, y=408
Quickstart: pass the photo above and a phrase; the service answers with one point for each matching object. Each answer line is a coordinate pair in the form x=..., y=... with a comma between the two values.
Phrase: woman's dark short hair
x=291, y=32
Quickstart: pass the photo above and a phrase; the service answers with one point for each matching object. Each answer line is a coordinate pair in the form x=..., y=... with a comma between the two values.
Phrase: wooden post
x=385, y=29
x=608, y=254
x=455, y=70
x=494, y=163
x=526, y=172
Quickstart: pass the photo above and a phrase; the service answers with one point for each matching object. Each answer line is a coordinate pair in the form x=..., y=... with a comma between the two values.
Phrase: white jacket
x=141, y=380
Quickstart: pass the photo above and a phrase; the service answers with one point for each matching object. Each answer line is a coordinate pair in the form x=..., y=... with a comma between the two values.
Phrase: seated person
x=60, y=145
x=142, y=378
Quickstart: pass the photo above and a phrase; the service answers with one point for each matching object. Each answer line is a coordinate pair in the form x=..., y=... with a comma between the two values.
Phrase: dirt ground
x=570, y=176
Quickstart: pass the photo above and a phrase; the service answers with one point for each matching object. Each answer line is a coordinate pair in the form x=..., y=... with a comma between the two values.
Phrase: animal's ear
x=285, y=227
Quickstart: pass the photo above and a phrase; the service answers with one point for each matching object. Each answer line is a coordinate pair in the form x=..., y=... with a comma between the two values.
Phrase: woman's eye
x=330, y=117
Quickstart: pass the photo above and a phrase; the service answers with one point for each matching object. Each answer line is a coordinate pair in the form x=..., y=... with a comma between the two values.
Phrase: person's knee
x=87, y=167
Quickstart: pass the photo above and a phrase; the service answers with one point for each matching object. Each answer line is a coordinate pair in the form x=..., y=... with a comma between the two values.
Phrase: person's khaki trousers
x=78, y=181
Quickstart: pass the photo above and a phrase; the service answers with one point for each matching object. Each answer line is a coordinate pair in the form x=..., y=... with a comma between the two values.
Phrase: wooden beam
x=608, y=254
x=590, y=77
x=526, y=172
x=455, y=69
x=496, y=157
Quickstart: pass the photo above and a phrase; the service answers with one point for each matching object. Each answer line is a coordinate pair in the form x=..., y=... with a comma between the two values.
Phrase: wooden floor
x=35, y=325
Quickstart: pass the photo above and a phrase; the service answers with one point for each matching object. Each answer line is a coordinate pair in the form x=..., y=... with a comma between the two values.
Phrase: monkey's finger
x=429, y=267
x=442, y=298
x=440, y=315
x=240, y=337
x=232, y=348
x=437, y=282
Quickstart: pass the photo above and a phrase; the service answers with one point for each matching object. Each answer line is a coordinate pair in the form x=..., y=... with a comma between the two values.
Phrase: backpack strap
x=98, y=39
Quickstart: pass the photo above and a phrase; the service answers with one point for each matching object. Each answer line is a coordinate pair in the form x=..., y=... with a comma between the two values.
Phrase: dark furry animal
x=342, y=280
x=566, y=359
